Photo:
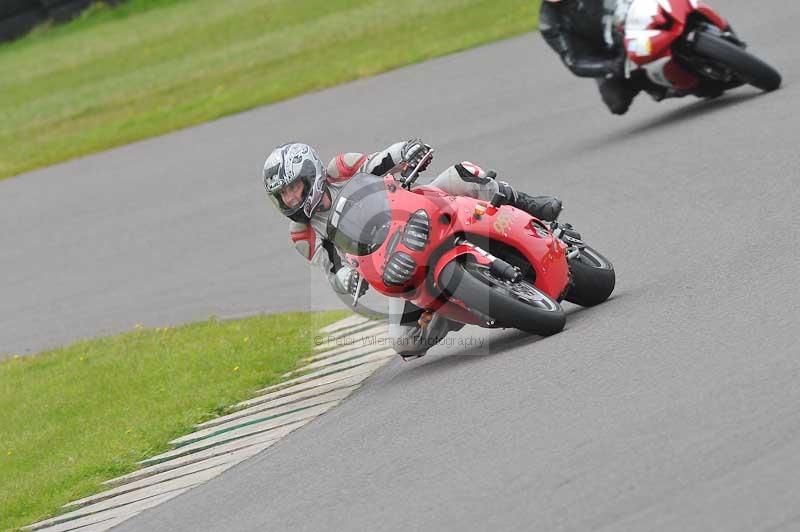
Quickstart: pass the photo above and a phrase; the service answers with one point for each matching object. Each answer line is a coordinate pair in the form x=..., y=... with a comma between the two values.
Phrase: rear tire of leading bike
x=518, y=305
x=747, y=66
x=593, y=278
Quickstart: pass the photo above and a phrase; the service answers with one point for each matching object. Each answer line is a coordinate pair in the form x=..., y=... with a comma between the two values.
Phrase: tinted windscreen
x=360, y=218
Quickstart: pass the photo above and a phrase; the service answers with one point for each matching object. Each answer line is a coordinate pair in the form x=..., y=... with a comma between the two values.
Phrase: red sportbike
x=472, y=261
x=685, y=46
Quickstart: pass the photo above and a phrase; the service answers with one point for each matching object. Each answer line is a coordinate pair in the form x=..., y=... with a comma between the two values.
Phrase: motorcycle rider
x=302, y=189
x=576, y=30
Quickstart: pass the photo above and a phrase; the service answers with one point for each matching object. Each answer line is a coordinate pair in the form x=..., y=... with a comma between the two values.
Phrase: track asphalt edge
x=346, y=355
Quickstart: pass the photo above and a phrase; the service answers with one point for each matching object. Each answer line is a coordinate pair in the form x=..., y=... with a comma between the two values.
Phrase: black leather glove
x=353, y=278
x=413, y=152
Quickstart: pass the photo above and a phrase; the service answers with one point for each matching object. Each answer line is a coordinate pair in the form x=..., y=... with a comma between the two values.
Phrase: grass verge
x=153, y=66
x=73, y=417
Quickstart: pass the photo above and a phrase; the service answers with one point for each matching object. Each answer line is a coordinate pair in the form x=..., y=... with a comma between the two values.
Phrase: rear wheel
x=593, y=278
x=520, y=305
x=745, y=65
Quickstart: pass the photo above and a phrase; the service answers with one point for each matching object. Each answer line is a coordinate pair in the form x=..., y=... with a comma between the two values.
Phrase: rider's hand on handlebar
x=413, y=152
x=351, y=279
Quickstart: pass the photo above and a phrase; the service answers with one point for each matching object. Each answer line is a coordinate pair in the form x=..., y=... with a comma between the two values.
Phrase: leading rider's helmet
x=288, y=164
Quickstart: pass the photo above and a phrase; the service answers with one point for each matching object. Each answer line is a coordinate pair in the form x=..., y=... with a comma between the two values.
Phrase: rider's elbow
x=303, y=238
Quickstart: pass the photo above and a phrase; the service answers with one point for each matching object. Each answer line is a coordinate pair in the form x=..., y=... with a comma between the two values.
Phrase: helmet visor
x=308, y=171
x=274, y=180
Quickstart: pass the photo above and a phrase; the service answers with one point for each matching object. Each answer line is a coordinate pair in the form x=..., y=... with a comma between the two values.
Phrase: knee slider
x=472, y=173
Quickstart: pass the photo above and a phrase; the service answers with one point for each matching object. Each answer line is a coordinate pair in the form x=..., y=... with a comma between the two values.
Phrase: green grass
x=153, y=66
x=73, y=417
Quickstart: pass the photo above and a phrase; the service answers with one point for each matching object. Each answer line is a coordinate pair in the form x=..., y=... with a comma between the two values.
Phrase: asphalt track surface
x=673, y=406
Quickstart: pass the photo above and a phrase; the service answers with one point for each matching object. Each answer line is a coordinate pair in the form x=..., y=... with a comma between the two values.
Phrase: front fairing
x=360, y=217
x=652, y=26
x=390, y=239
x=412, y=277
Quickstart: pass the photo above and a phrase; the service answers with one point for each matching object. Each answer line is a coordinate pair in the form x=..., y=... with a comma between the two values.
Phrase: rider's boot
x=543, y=207
x=617, y=94
x=709, y=90
x=658, y=93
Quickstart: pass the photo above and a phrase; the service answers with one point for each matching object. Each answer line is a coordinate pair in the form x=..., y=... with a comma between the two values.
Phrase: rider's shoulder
x=344, y=166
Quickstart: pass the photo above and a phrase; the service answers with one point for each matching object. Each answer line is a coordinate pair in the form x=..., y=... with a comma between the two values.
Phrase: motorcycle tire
x=519, y=305
x=747, y=66
x=593, y=278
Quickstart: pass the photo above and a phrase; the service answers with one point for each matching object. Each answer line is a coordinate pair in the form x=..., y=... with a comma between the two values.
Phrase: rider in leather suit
x=576, y=30
x=303, y=190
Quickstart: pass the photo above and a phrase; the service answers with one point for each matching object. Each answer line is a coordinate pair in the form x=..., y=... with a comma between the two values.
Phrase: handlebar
x=412, y=176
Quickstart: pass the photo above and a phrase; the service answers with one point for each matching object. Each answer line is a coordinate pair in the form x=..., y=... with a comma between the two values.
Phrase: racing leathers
x=577, y=31
x=464, y=179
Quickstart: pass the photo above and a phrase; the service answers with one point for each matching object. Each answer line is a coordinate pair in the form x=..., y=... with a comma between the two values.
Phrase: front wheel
x=745, y=65
x=593, y=278
x=519, y=305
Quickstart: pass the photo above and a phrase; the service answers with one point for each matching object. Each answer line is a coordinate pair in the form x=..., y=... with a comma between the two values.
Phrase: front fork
x=728, y=34
x=570, y=237
x=497, y=267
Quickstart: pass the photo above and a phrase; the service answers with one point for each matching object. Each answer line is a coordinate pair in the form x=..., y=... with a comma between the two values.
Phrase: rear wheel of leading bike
x=519, y=305
x=747, y=66
x=593, y=278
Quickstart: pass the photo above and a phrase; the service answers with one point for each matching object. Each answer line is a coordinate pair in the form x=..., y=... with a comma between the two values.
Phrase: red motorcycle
x=685, y=46
x=472, y=261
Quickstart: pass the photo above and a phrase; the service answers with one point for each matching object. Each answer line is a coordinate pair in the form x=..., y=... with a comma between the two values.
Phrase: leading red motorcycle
x=685, y=46
x=472, y=261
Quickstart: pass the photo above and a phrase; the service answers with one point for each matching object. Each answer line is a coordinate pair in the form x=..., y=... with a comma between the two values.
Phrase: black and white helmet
x=286, y=165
